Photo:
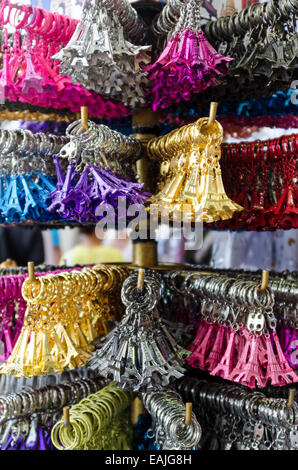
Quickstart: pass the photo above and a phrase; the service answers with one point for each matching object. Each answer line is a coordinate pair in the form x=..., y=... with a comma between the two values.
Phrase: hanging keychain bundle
x=26, y=174
x=12, y=310
x=100, y=421
x=107, y=299
x=61, y=320
x=262, y=176
x=12, y=384
x=191, y=187
x=140, y=354
x=134, y=28
x=286, y=294
x=168, y=428
x=236, y=419
x=30, y=75
x=142, y=439
x=188, y=64
x=99, y=163
x=277, y=104
x=106, y=302
x=27, y=417
x=236, y=338
x=99, y=58
x=262, y=39
x=285, y=309
x=284, y=287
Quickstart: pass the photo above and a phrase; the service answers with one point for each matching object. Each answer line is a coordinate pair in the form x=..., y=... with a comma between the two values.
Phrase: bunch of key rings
x=252, y=187
x=285, y=290
x=13, y=306
x=65, y=313
x=98, y=48
x=98, y=175
x=32, y=36
x=169, y=430
x=46, y=178
x=286, y=293
x=11, y=384
x=182, y=71
x=140, y=354
x=190, y=183
x=109, y=43
x=98, y=422
x=27, y=416
x=267, y=61
x=234, y=418
x=27, y=174
x=256, y=45
x=221, y=320
x=135, y=29
x=236, y=338
x=262, y=177
x=12, y=311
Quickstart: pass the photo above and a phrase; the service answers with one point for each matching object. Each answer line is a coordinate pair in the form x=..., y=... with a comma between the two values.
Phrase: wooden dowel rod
x=84, y=118
x=291, y=397
x=265, y=280
x=141, y=279
x=137, y=409
x=212, y=112
x=31, y=271
x=188, y=412
x=66, y=416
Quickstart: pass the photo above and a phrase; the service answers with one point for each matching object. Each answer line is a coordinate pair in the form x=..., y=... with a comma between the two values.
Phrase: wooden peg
x=188, y=412
x=212, y=112
x=31, y=271
x=137, y=409
x=291, y=397
x=66, y=416
x=265, y=280
x=141, y=279
x=84, y=118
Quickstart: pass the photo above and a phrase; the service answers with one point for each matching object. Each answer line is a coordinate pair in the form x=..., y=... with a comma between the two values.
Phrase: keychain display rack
x=146, y=355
